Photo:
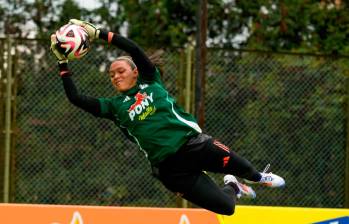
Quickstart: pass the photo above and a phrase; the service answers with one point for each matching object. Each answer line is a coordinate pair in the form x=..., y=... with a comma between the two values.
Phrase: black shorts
x=179, y=172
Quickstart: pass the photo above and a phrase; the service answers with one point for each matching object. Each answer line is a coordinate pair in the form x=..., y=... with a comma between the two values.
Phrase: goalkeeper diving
x=177, y=149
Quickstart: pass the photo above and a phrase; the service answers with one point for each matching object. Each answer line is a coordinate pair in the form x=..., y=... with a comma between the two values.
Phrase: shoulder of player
x=150, y=78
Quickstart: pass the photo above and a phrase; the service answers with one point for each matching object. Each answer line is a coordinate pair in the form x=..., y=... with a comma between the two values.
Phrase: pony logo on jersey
x=141, y=103
x=139, y=98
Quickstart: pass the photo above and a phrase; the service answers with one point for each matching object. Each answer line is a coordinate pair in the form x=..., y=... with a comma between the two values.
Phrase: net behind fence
x=286, y=110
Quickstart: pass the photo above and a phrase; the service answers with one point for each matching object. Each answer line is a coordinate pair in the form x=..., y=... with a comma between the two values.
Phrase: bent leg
x=206, y=194
x=241, y=167
x=219, y=158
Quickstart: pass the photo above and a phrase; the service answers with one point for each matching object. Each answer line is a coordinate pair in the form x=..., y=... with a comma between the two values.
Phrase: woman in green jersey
x=171, y=139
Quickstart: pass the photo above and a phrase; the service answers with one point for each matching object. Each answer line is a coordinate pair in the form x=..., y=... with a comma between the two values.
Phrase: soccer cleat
x=244, y=190
x=269, y=179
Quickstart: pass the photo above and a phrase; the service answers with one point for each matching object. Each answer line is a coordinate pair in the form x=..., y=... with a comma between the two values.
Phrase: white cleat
x=269, y=179
x=244, y=190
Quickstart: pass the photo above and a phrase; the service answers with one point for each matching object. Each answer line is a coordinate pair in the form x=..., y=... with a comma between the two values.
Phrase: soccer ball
x=72, y=41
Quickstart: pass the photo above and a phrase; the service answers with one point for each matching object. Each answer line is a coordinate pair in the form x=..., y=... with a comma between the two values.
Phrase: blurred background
x=271, y=77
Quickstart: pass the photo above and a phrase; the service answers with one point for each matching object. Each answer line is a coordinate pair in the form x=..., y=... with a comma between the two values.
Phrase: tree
x=287, y=25
x=13, y=17
x=301, y=26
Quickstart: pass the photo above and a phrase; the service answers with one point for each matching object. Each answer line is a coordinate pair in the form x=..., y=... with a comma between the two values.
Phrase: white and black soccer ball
x=72, y=41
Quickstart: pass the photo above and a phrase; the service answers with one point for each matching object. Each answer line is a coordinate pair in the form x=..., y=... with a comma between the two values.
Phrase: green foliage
x=288, y=25
x=70, y=10
x=109, y=14
x=159, y=23
x=287, y=111
x=302, y=26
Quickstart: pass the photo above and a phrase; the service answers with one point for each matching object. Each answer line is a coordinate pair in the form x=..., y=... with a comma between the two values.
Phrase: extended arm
x=144, y=65
x=88, y=104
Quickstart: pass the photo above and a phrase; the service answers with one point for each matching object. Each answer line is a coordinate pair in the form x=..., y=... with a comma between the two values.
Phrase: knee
x=228, y=209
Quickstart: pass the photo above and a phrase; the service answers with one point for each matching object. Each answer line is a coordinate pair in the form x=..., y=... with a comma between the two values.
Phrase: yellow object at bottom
x=283, y=215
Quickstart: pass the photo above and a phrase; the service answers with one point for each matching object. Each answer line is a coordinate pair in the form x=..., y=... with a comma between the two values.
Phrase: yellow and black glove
x=59, y=56
x=91, y=29
x=61, y=59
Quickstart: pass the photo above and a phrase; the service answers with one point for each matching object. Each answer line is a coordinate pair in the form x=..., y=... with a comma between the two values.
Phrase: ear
x=135, y=72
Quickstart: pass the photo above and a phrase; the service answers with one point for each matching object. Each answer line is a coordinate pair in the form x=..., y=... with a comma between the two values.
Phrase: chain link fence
x=287, y=110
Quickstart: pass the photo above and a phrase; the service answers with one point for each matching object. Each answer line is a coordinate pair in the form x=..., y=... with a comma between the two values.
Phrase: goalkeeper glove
x=62, y=60
x=60, y=57
x=91, y=29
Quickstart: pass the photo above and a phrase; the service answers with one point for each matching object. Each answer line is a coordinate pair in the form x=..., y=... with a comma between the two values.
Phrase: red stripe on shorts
x=220, y=145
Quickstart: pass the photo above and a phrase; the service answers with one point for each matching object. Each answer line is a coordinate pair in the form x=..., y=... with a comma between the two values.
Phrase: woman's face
x=122, y=76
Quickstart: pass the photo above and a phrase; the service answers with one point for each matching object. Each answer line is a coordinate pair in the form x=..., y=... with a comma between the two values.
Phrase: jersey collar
x=132, y=91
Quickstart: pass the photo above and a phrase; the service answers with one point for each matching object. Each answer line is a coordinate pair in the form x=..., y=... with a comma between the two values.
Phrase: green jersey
x=150, y=117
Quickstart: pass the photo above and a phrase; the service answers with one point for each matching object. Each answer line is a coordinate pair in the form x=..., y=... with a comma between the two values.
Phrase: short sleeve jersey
x=150, y=117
